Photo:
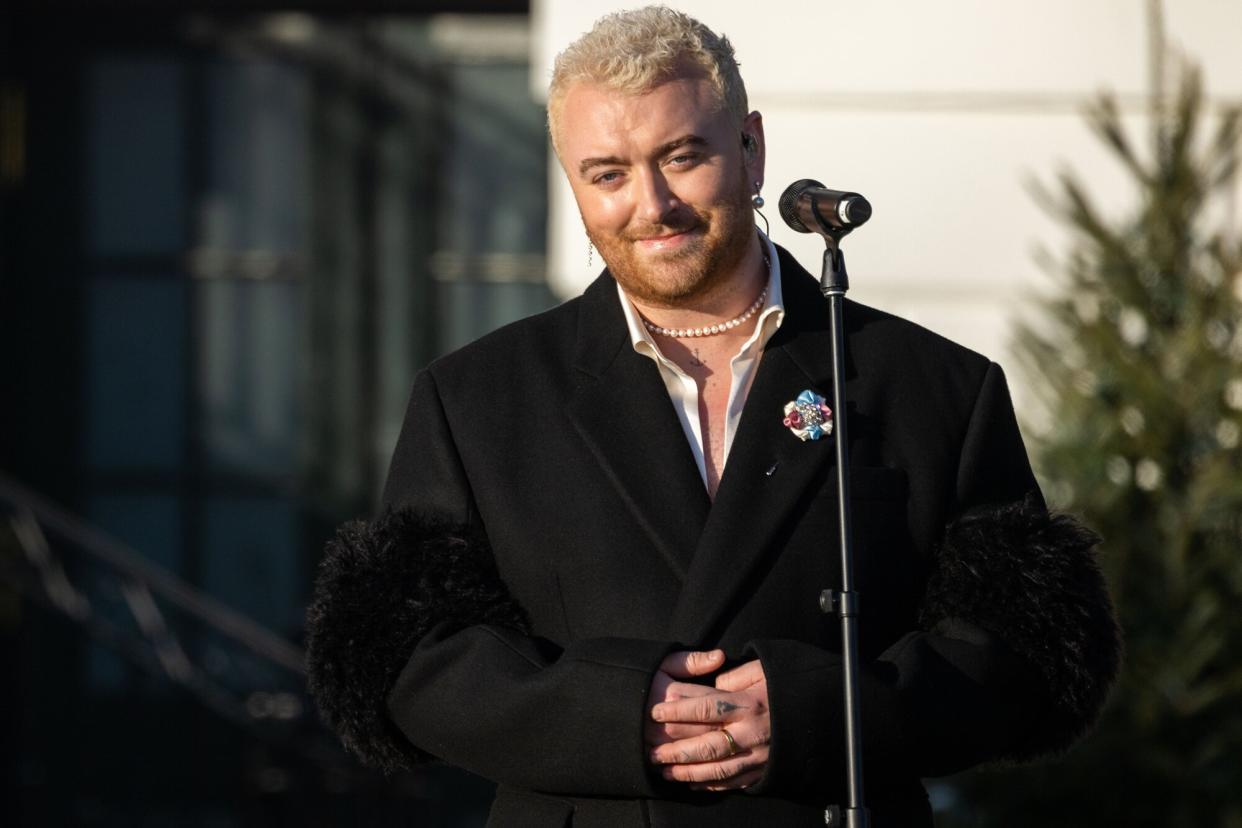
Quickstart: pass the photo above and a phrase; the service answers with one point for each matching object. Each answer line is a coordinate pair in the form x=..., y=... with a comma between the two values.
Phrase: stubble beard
x=678, y=278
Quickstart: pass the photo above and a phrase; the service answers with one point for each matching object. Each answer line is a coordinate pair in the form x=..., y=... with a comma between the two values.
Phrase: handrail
x=117, y=555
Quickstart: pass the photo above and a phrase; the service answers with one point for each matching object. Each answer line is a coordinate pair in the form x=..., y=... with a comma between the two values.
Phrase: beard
x=677, y=278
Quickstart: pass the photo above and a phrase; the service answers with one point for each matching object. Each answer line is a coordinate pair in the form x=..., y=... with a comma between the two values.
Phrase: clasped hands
x=685, y=729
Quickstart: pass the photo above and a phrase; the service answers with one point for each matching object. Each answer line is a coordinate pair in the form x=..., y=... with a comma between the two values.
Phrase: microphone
x=809, y=207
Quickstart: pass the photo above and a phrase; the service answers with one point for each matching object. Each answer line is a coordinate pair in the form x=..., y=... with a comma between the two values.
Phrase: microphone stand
x=845, y=603
x=809, y=207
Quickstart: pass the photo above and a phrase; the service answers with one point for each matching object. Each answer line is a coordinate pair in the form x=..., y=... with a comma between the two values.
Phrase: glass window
x=136, y=162
x=257, y=164
x=135, y=382
x=252, y=358
x=251, y=559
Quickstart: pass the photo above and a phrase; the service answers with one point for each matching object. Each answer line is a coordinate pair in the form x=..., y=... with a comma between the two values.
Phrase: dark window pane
x=252, y=363
x=136, y=156
x=498, y=148
x=150, y=524
x=257, y=149
x=250, y=559
x=136, y=399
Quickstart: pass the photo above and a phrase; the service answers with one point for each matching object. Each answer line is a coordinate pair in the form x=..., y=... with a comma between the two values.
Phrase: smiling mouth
x=666, y=239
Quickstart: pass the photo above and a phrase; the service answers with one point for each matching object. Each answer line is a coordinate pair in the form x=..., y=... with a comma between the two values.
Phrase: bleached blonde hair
x=635, y=51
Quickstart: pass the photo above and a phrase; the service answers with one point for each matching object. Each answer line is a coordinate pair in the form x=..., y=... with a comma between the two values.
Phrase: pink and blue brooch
x=808, y=416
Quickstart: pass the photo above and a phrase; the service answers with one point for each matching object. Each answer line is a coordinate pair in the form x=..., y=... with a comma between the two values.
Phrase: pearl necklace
x=711, y=330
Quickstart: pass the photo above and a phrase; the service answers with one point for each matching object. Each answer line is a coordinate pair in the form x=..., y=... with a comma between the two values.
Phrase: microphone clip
x=809, y=207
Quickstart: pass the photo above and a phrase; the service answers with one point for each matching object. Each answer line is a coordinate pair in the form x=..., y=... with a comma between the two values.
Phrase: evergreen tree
x=1138, y=365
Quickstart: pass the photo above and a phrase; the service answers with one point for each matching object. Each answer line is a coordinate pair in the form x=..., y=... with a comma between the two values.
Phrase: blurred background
x=231, y=232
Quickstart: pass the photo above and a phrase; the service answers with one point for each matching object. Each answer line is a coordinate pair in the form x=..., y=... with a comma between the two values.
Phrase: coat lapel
x=623, y=412
x=768, y=469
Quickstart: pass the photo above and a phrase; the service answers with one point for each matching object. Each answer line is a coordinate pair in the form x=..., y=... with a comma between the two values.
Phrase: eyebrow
x=663, y=149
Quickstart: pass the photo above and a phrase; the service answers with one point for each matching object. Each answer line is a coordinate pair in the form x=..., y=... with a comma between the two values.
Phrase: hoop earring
x=756, y=201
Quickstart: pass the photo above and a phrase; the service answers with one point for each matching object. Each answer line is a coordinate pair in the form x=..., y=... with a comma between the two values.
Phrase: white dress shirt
x=682, y=389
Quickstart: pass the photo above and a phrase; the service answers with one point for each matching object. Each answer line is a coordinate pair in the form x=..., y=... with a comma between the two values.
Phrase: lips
x=666, y=240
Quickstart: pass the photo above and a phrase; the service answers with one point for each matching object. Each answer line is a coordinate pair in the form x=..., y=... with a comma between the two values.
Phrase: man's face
x=662, y=184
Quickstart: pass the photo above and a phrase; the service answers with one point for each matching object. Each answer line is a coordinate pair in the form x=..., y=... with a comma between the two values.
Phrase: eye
x=610, y=177
x=685, y=159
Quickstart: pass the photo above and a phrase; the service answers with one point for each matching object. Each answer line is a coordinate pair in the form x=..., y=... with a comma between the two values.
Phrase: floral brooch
x=808, y=416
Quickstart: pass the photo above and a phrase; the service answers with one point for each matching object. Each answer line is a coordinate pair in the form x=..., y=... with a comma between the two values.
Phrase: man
x=597, y=581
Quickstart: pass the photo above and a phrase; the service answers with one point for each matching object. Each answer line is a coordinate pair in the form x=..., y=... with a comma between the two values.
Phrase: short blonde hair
x=635, y=51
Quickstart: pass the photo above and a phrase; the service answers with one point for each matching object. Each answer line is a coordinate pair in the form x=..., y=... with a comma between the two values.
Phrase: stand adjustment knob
x=843, y=604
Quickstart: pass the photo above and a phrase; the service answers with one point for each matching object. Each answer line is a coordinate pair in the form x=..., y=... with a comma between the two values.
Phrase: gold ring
x=733, y=748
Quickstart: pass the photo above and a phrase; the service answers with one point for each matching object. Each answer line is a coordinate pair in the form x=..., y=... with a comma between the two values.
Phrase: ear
x=754, y=149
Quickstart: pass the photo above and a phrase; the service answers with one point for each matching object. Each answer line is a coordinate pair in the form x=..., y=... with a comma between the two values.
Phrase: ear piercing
x=756, y=201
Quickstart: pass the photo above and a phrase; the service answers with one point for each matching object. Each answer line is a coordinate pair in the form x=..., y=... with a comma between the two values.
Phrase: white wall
x=941, y=114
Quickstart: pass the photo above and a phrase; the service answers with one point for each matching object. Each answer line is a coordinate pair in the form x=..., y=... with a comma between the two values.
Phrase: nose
x=655, y=199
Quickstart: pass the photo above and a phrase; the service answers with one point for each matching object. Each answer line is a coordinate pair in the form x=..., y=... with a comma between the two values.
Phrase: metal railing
x=165, y=627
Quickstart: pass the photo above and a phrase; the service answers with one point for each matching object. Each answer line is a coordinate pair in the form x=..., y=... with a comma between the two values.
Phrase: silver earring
x=590, y=254
x=756, y=201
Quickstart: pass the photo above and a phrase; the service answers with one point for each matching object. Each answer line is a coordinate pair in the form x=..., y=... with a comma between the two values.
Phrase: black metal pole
x=834, y=282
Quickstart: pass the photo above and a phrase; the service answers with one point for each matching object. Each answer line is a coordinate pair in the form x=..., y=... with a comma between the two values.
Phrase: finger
x=691, y=663
x=684, y=690
x=736, y=783
x=712, y=745
x=716, y=773
x=687, y=690
x=664, y=734
x=672, y=690
x=739, y=678
x=708, y=747
x=713, y=707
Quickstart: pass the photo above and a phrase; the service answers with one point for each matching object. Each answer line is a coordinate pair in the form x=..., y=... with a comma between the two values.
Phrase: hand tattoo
x=723, y=707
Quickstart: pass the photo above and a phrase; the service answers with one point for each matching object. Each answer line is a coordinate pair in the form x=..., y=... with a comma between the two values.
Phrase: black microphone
x=809, y=207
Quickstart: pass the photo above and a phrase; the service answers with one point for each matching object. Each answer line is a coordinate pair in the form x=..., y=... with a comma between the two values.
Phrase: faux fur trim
x=1030, y=577
x=382, y=585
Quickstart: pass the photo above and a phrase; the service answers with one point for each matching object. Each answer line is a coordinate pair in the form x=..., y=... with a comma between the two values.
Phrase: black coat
x=549, y=453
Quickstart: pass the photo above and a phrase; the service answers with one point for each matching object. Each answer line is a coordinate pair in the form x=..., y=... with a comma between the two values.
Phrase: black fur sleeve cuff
x=382, y=585
x=1030, y=577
